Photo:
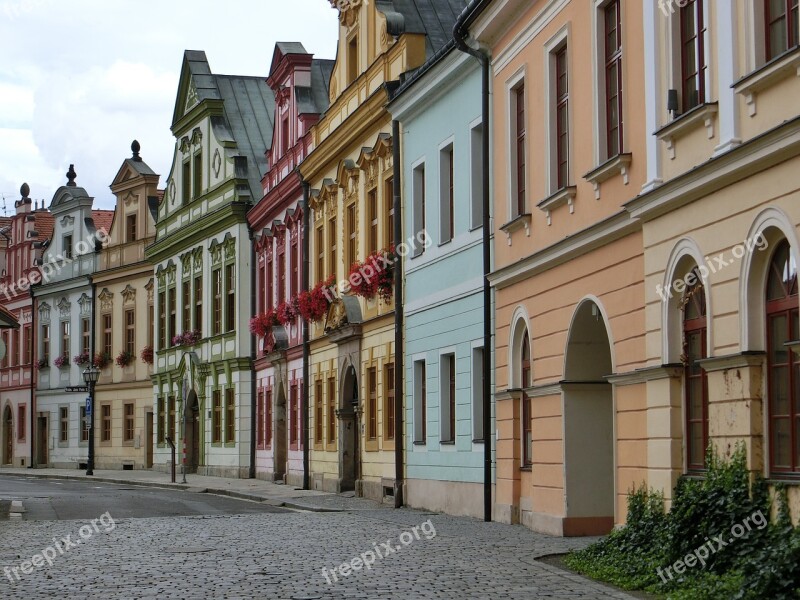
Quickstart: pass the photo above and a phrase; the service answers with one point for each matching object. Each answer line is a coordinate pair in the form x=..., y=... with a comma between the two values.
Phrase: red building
x=22, y=238
x=300, y=84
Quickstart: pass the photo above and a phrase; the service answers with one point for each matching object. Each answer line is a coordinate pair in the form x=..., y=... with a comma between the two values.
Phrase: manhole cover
x=187, y=550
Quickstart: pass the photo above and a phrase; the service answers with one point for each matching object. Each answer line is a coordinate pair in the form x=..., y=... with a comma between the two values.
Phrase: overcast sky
x=80, y=79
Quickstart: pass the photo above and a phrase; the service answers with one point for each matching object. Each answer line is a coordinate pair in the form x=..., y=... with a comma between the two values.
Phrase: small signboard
x=76, y=389
x=89, y=406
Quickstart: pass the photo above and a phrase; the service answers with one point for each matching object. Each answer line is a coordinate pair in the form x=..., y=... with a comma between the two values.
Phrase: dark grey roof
x=290, y=48
x=434, y=18
x=139, y=166
x=249, y=112
x=315, y=100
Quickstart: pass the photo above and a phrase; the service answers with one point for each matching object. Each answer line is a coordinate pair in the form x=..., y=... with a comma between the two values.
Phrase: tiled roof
x=102, y=219
x=434, y=18
x=44, y=224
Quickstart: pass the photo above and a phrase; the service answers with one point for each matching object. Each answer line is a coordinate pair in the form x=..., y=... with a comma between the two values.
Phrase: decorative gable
x=106, y=299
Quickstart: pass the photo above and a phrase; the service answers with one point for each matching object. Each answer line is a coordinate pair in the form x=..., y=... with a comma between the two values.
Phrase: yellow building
x=349, y=170
x=124, y=323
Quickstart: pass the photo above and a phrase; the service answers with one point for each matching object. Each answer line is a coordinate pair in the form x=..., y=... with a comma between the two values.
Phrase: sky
x=81, y=79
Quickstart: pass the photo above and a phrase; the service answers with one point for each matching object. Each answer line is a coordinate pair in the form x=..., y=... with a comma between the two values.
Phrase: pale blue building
x=439, y=110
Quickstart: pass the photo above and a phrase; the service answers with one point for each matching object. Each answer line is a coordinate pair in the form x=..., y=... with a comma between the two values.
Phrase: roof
x=7, y=320
x=102, y=219
x=290, y=48
x=315, y=99
x=434, y=18
x=45, y=223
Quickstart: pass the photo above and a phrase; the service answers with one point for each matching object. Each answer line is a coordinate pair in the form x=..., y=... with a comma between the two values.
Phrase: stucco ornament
x=216, y=162
x=348, y=11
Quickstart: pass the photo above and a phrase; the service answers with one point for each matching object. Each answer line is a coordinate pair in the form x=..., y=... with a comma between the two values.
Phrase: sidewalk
x=246, y=489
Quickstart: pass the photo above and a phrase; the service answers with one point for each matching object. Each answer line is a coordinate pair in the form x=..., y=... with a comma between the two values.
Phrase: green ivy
x=764, y=562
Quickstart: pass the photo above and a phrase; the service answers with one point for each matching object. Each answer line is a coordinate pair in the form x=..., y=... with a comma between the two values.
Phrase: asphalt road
x=53, y=500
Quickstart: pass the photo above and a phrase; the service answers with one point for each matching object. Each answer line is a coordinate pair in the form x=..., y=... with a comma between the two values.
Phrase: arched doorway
x=191, y=420
x=281, y=440
x=349, y=454
x=8, y=438
x=588, y=425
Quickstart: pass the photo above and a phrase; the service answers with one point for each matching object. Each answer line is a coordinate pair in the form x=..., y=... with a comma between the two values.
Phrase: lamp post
x=90, y=376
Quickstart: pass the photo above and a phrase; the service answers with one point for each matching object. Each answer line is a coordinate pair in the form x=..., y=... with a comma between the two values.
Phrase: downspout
x=399, y=348
x=34, y=377
x=306, y=344
x=253, y=344
x=460, y=32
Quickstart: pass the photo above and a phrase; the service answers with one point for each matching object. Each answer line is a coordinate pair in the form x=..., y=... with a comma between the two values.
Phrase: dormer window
x=67, y=250
x=130, y=228
x=198, y=175
x=352, y=60
x=285, y=135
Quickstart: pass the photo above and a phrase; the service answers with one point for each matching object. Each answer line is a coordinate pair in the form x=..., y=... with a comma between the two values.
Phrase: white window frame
x=416, y=361
x=447, y=146
x=512, y=84
x=417, y=218
x=444, y=396
x=476, y=133
x=561, y=38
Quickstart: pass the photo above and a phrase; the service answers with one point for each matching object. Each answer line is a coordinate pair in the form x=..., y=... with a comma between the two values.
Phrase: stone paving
x=282, y=556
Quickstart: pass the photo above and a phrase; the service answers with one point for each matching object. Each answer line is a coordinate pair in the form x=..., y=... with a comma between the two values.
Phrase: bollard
x=172, y=446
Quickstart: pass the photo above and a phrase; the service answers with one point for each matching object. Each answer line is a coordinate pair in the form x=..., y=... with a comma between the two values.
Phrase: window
x=161, y=425
x=130, y=228
x=63, y=424
x=230, y=309
x=130, y=332
x=65, y=339
x=693, y=55
x=105, y=423
x=15, y=349
x=613, y=64
x=448, y=397
x=351, y=236
x=107, y=334
x=216, y=417
x=127, y=431
x=420, y=403
x=418, y=178
x=320, y=243
x=526, y=382
x=186, y=182
x=352, y=60
x=162, y=321
x=216, y=307
x=198, y=174
x=293, y=434
x=372, y=408
x=84, y=425
x=21, y=423
x=67, y=250
x=388, y=403
x=198, y=304
x=269, y=283
x=388, y=212
x=230, y=416
x=285, y=135
x=186, y=295
x=318, y=411
x=27, y=349
x=372, y=220
x=520, y=153
x=331, y=410
x=332, y=243
x=476, y=176
x=781, y=20
x=783, y=364
x=260, y=419
x=446, y=198
x=46, y=343
x=171, y=418
x=693, y=305
x=4, y=362
x=86, y=336
x=173, y=313
x=268, y=433
x=295, y=275
x=150, y=324
x=562, y=118
x=477, y=394
x=281, y=262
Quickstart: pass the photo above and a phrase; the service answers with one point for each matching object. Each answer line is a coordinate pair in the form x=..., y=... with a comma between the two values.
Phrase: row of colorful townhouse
x=497, y=259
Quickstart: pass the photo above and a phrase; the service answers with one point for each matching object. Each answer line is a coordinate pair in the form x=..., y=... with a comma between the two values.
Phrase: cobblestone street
x=282, y=556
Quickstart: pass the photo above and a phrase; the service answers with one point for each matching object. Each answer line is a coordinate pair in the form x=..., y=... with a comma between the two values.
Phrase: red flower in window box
x=101, y=360
x=313, y=305
x=374, y=276
x=82, y=359
x=124, y=359
x=286, y=312
x=147, y=355
x=261, y=324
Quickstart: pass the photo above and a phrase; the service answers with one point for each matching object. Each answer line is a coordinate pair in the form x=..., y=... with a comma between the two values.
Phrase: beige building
x=123, y=334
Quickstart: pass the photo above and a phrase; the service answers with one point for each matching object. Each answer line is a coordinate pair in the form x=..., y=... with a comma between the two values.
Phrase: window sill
x=617, y=165
x=478, y=441
x=509, y=394
x=445, y=242
x=689, y=121
x=416, y=443
x=517, y=223
x=447, y=443
x=794, y=346
x=792, y=479
x=779, y=68
x=527, y=468
x=565, y=195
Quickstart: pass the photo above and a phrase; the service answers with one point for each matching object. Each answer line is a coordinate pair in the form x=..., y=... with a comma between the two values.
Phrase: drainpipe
x=460, y=32
x=253, y=382
x=399, y=348
x=34, y=376
x=306, y=436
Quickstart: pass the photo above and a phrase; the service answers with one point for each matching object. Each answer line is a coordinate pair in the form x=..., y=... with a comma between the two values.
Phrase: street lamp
x=90, y=376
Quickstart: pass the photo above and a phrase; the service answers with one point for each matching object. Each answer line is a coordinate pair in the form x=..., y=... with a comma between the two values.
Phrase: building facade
x=23, y=236
x=64, y=301
x=300, y=84
x=124, y=323
x=203, y=381
x=439, y=110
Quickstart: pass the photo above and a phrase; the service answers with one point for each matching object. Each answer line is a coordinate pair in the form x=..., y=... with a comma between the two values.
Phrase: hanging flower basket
x=374, y=276
x=61, y=362
x=82, y=359
x=261, y=324
x=313, y=305
x=147, y=355
x=188, y=338
x=287, y=312
x=102, y=360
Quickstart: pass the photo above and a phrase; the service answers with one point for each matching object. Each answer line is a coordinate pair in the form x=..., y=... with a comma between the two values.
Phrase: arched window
x=525, y=382
x=693, y=305
x=782, y=363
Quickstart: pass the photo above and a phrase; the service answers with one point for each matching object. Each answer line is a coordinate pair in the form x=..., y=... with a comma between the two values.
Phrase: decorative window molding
x=64, y=307
x=216, y=162
x=688, y=122
x=778, y=69
x=197, y=136
x=517, y=223
x=128, y=295
x=618, y=165
x=149, y=288
x=106, y=299
x=186, y=144
x=44, y=312
x=86, y=305
x=67, y=221
x=563, y=196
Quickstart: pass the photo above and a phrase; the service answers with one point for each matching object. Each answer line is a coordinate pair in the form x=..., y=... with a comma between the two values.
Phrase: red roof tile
x=102, y=219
